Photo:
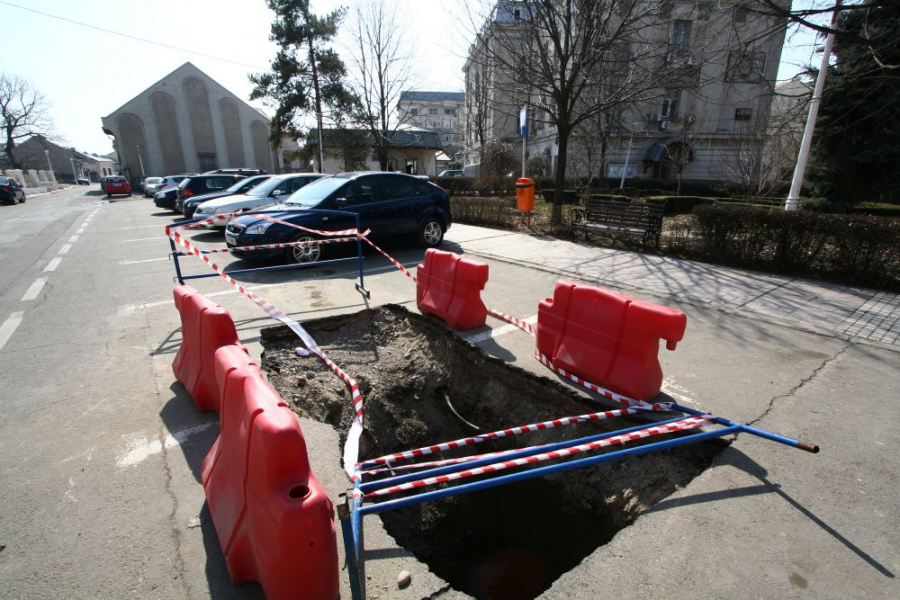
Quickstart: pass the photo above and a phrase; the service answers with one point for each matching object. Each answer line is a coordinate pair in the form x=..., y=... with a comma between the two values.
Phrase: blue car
x=395, y=206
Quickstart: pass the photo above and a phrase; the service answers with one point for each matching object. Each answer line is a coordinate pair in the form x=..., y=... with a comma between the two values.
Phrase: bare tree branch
x=23, y=113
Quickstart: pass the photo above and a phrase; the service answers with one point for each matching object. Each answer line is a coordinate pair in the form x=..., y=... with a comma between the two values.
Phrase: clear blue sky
x=86, y=74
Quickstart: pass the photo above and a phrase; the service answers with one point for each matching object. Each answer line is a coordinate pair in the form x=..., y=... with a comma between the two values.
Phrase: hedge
x=496, y=212
x=679, y=205
x=863, y=248
x=874, y=208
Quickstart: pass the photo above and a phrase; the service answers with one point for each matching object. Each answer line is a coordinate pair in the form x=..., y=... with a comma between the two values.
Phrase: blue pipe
x=781, y=439
x=350, y=552
x=542, y=471
x=273, y=268
x=356, y=516
x=383, y=483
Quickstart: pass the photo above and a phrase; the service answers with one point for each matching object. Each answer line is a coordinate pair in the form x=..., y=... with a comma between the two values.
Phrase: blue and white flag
x=523, y=122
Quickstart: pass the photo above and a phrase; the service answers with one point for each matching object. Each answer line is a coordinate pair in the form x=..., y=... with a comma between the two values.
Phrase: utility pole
x=793, y=199
x=140, y=160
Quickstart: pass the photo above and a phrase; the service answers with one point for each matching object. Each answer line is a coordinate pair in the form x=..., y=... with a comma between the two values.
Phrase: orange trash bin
x=525, y=194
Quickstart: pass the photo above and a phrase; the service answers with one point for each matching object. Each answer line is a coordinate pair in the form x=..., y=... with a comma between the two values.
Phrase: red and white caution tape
x=275, y=246
x=397, y=264
x=513, y=431
x=683, y=425
x=610, y=395
x=523, y=325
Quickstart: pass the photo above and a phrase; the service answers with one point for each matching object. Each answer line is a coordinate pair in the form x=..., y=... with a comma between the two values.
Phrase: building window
x=450, y=111
x=681, y=37
x=414, y=111
x=746, y=66
x=432, y=111
x=670, y=105
x=704, y=10
x=743, y=114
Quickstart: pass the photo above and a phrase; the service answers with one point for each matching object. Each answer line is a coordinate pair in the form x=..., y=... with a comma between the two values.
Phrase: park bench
x=613, y=216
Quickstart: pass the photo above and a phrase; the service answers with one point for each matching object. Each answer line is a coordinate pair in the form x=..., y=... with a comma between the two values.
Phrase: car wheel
x=109, y=195
x=305, y=254
x=431, y=234
x=24, y=197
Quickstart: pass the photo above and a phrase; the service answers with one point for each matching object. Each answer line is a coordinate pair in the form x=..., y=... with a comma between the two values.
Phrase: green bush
x=679, y=205
x=569, y=196
x=874, y=208
x=859, y=247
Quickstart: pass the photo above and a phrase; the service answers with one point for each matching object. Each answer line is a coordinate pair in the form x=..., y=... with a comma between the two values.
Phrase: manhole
x=424, y=385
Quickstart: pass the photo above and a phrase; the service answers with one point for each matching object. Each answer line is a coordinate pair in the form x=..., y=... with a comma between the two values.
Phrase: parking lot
x=100, y=448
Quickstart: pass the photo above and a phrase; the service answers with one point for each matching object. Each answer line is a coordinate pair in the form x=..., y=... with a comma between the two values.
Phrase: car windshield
x=246, y=184
x=184, y=183
x=313, y=194
x=152, y=180
x=263, y=189
x=178, y=179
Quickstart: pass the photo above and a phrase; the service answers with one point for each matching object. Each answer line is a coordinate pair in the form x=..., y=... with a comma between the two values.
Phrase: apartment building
x=711, y=67
x=438, y=112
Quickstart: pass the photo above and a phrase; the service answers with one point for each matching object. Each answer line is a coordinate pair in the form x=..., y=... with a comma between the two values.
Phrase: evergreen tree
x=856, y=147
x=306, y=75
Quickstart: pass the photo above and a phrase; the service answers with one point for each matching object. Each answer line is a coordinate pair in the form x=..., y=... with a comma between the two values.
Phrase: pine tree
x=306, y=74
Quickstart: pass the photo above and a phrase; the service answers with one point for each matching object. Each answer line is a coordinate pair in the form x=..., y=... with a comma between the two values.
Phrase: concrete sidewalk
x=854, y=313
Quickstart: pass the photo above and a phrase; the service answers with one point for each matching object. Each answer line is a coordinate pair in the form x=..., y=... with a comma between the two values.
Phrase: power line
x=131, y=37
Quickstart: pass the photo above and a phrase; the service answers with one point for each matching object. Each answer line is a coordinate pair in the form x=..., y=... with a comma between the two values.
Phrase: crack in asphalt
x=802, y=383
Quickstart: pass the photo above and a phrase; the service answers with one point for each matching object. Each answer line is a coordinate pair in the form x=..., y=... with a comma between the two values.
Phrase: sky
x=86, y=73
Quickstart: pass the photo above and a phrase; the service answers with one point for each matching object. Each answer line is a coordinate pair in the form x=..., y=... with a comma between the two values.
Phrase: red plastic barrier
x=449, y=286
x=205, y=327
x=607, y=338
x=273, y=518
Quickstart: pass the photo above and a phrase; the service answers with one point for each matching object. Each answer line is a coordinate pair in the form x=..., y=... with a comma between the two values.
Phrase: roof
x=409, y=138
x=412, y=96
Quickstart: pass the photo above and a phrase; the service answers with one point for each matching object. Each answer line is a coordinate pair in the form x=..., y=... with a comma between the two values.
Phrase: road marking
x=34, y=290
x=89, y=453
x=157, y=226
x=9, y=327
x=73, y=239
x=141, y=448
x=678, y=392
x=493, y=333
x=51, y=266
x=65, y=249
x=125, y=310
x=159, y=237
x=135, y=262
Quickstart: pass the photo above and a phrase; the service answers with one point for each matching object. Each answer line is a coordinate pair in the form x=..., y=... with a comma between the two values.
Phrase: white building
x=186, y=122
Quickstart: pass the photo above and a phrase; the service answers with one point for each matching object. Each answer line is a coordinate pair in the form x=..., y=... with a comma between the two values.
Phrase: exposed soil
x=423, y=385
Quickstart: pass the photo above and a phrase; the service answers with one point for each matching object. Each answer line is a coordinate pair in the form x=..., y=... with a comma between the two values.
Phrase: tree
x=306, y=75
x=856, y=147
x=382, y=68
x=574, y=60
x=23, y=113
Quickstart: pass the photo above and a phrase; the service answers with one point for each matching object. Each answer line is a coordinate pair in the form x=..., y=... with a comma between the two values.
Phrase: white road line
x=34, y=289
x=141, y=448
x=135, y=262
x=73, y=239
x=51, y=266
x=125, y=310
x=159, y=237
x=158, y=226
x=493, y=333
x=65, y=249
x=9, y=327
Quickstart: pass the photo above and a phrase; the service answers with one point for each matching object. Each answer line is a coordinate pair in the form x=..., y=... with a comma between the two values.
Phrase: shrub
x=491, y=211
x=874, y=208
x=679, y=205
x=595, y=196
x=859, y=247
x=569, y=196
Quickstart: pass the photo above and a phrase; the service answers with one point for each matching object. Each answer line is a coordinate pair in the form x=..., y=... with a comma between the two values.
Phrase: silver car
x=268, y=192
x=150, y=186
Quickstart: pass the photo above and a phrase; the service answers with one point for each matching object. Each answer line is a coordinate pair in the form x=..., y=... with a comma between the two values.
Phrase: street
x=100, y=448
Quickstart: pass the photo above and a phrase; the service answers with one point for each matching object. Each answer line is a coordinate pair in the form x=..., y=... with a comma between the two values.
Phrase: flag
x=523, y=122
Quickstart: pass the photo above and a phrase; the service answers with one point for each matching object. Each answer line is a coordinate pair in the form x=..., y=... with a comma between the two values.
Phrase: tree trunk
x=559, y=181
x=320, y=158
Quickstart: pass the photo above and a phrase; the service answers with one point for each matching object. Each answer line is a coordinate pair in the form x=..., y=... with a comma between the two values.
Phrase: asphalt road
x=100, y=449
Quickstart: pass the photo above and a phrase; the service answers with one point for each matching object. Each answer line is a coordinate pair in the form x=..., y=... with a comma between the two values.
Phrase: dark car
x=189, y=206
x=116, y=185
x=394, y=206
x=197, y=185
x=10, y=191
x=166, y=198
x=246, y=172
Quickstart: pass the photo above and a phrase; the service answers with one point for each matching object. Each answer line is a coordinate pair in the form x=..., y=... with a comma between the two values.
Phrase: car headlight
x=259, y=228
x=203, y=210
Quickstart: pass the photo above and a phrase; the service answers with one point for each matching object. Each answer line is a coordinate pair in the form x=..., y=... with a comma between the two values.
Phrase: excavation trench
x=423, y=385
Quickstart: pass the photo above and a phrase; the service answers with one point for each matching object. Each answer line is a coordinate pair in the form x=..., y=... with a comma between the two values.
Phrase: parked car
x=246, y=172
x=274, y=190
x=171, y=181
x=451, y=173
x=10, y=191
x=117, y=185
x=103, y=183
x=83, y=181
x=150, y=186
x=197, y=185
x=166, y=198
x=189, y=206
x=394, y=206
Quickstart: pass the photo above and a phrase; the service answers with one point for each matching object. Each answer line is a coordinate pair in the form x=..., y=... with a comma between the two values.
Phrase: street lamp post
x=74, y=173
x=49, y=164
x=627, y=157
